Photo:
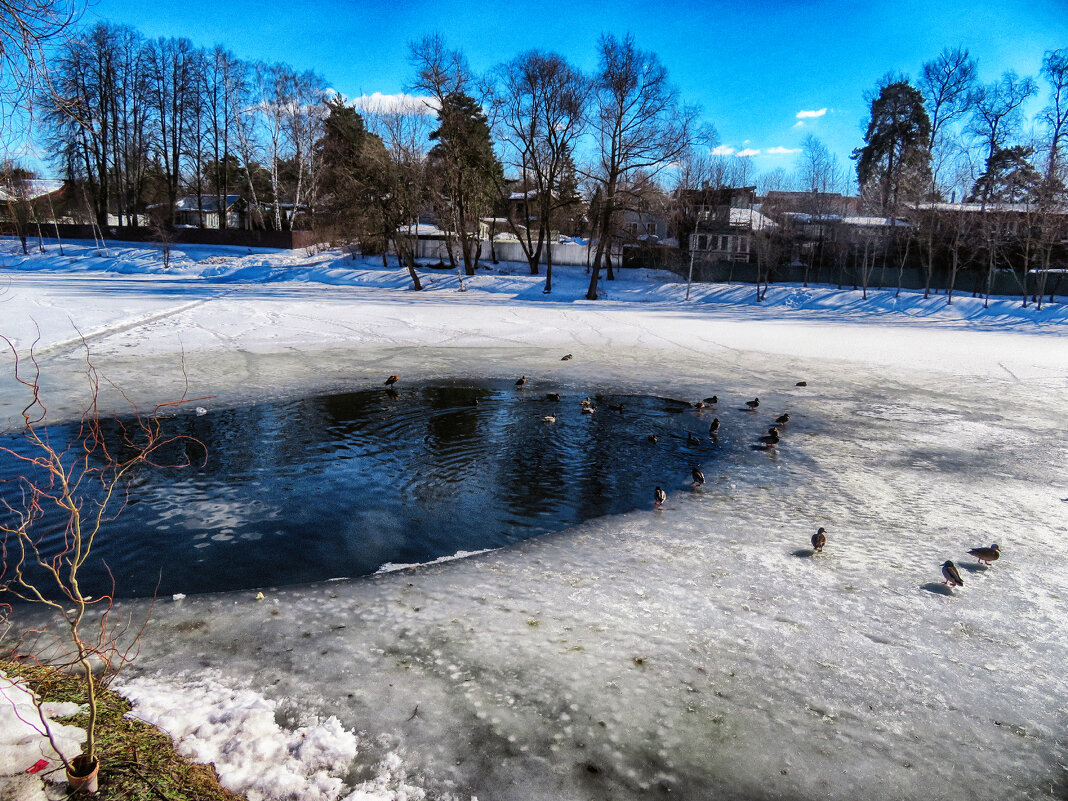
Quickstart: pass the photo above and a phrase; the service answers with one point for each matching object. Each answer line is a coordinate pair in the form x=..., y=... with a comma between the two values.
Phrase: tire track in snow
x=57, y=348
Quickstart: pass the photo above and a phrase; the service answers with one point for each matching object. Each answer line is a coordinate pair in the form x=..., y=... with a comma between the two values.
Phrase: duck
x=783, y=419
x=659, y=496
x=549, y=418
x=771, y=439
x=819, y=539
x=986, y=555
x=393, y=379
x=699, y=405
x=713, y=430
x=952, y=575
x=653, y=438
x=552, y=396
x=712, y=401
x=753, y=404
x=698, y=477
x=566, y=357
x=588, y=409
x=616, y=407
x=520, y=381
x=801, y=384
x=692, y=439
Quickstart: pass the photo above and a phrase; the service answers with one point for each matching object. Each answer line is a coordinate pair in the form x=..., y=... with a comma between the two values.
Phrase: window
x=702, y=242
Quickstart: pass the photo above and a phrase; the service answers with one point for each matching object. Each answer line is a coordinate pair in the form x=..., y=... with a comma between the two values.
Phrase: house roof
x=209, y=203
x=753, y=218
x=28, y=189
x=877, y=222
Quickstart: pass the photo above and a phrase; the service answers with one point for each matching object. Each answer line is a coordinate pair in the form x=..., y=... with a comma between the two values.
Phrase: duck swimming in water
x=659, y=496
x=698, y=477
x=713, y=430
x=986, y=555
x=692, y=439
x=566, y=358
x=520, y=381
x=783, y=419
x=753, y=404
x=712, y=401
x=393, y=379
x=653, y=438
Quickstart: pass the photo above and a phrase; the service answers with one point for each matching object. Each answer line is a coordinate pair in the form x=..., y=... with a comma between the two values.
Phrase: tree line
x=534, y=145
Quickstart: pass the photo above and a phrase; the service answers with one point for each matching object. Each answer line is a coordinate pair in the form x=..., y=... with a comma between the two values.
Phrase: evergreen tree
x=1010, y=177
x=466, y=170
x=895, y=161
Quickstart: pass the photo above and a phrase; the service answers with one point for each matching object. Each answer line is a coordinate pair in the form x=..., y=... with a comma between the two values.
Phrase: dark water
x=332, y=486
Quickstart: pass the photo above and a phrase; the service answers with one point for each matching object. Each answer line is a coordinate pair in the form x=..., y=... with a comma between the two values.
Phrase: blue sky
x=752, y=65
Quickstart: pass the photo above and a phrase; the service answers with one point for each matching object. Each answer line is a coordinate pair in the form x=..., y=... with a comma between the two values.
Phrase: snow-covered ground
x=697, y=650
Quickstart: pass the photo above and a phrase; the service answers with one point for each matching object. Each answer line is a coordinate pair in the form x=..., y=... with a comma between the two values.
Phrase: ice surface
x=698, y=650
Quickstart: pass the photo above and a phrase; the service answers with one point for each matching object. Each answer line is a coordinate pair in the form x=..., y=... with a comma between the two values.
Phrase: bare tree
x=85, y=480
x=439, y=70
x=996, y=110
x=171, y=65
x=947, y=83
x=28, y=29
x=397, y=167
x=638, y=123
x=540, y=102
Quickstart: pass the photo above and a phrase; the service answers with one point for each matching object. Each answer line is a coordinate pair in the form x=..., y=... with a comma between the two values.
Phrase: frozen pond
x=694, y=651
x=700, y=649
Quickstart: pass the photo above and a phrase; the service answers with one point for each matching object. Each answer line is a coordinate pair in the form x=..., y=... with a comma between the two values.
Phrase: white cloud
x=723, y=150
x=779, y=150
x=802, y=115
x=799, y=124
x=748, y=152
x=402, y=103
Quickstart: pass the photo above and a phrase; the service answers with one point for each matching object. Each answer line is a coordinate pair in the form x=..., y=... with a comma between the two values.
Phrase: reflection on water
x=339, y=485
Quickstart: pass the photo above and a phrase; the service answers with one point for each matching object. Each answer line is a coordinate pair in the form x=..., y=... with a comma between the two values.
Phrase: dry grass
x=137, y=761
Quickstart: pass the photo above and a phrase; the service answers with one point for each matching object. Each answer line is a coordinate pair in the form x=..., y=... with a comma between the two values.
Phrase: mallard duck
x=587, y=409
x=549, y=418
x=699, y=405
x=520, y=381
x=713, y=430
x=953, y=579
x=753, y=404
x=819, y=539
x=771, y=439
x=393, y=379
x=659, y=496
x=552, y=396
x=712, y=401
x=653, y=438
x=692, y=439
x=783, y=419
x=698, y=477
x=801, y=384
x=566, y=358
x=986, y=555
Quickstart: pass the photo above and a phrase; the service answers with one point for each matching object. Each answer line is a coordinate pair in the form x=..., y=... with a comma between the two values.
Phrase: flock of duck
x=950, y=573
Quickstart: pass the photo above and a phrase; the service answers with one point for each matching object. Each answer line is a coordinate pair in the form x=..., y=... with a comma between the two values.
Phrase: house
x=205, y=213
x=722, y=222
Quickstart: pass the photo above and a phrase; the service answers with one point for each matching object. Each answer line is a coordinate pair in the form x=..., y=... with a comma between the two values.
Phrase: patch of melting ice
x=297, y=491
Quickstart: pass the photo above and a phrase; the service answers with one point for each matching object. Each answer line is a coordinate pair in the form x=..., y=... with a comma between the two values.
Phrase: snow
x=694, y=650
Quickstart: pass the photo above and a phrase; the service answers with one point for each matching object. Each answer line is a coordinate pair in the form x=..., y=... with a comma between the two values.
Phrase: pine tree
x=466, y=169
x=895, y=161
